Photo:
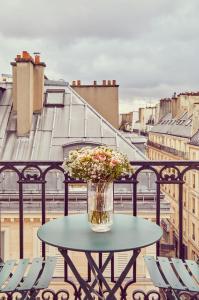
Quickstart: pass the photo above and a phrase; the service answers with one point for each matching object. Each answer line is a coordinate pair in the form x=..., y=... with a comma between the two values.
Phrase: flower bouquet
x=98, y=166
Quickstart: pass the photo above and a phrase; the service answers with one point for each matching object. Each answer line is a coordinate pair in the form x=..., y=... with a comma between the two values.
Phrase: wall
x=103, y=98
x=190, y=189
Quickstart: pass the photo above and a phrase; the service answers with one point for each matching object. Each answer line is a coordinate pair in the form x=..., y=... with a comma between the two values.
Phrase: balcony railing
x=171, y=150
x=36, y=173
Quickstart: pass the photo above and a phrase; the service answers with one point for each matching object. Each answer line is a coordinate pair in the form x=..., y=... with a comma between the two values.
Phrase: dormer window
x=78, y=145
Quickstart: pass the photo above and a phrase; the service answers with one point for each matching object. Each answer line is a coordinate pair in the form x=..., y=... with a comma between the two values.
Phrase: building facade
x=127, y=120
x=147, y=118
x=175, y=137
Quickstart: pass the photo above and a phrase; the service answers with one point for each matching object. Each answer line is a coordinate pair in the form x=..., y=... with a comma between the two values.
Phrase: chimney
x=14, y=85
x=114, y=82
x=38, y=84
x=109, y=82
x=28, y=88
x=103, y=82
x=73, y=82
x=78, y=82
x=195, y=118
x=174, y=107
x=94, y=82
x=164, y=107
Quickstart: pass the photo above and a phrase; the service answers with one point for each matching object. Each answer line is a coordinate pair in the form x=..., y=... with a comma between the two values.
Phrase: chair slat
x=6, y=271
x=194, y=268
x=32, y=275
x=188, y=281
x=169, y=274
x=155, y=273
x=47, y=274
x=17, y=276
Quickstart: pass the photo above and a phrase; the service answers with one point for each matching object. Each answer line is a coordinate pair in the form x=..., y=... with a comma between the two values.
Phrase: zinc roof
x=68, y=123
x=178, y=126
x=195, y=139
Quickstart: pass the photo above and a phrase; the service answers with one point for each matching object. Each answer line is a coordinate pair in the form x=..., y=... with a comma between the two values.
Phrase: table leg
x=124, y=273
x=121, y=278
x=98, y=274
x=84, y=285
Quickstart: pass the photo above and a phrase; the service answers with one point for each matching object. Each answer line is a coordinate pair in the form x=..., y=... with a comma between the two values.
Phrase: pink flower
x=100, y=157
x=113, y=162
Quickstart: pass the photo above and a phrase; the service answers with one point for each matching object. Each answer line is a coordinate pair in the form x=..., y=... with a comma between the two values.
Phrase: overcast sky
x=151, y=47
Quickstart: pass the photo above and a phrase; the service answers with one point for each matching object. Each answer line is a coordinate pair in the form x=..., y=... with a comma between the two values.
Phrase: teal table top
x=73, y=233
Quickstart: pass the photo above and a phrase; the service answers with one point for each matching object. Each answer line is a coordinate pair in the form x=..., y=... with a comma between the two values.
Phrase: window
x=174, y=194
x=193, y=231
x=77, y=145
x=194, y=181
x=193, y=205
x=185, y=198
x=54, y=98
x=188, y=122
x=184, y=226
x=120, y=261
x=194, y=156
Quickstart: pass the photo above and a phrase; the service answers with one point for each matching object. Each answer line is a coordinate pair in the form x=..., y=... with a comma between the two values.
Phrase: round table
x=73, y=233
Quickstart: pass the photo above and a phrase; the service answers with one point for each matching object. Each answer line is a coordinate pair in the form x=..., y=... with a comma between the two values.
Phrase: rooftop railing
x=36, y=173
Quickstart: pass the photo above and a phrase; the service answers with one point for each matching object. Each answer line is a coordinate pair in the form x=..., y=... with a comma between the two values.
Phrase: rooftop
x=195, y=139
x=178, y=126
x=66, y=121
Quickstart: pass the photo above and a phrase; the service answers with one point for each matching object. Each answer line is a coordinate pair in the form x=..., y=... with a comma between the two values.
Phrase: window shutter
x=120, y=261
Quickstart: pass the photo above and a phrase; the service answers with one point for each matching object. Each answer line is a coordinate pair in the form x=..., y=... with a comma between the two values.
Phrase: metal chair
x=24, y=277
x=175, y=277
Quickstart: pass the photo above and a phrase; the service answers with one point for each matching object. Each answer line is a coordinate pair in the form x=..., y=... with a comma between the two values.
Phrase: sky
x=151, y=47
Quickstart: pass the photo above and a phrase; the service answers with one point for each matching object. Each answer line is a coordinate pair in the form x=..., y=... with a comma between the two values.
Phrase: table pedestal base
x=89, y=288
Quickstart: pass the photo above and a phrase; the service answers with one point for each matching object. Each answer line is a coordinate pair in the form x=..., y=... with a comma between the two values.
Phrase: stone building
x=127, y=120
x=175, y=137
x=147, y=118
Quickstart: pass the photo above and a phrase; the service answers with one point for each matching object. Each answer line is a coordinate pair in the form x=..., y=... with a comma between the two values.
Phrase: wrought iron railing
x=168, y=149
x=35, y=172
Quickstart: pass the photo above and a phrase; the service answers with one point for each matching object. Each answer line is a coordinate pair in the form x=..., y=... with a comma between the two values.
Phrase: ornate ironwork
x=36, y=172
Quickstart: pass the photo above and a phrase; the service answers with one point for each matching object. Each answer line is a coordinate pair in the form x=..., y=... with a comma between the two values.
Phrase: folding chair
x=175, y=276
x=26, y=278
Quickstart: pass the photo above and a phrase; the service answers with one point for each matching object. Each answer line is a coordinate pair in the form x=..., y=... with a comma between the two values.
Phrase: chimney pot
x=104, y=82
x=37, y=59
x=26, y=56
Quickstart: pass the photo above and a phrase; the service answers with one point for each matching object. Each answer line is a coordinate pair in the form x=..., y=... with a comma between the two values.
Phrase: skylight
x=54, y=98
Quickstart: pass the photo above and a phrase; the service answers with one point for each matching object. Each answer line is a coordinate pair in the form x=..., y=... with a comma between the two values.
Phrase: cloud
x=149, y=47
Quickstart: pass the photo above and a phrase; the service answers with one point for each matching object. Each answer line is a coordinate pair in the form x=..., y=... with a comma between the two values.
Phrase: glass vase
x=100, y=206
